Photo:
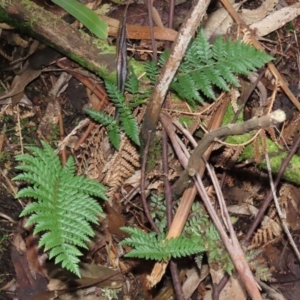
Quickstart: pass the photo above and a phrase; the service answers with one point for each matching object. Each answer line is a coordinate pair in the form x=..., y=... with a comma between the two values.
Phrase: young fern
x=64, y=208
x=156, y=247
x=128, y=123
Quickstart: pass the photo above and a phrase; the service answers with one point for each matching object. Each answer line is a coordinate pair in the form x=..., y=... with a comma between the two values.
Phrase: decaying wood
x=93, y=54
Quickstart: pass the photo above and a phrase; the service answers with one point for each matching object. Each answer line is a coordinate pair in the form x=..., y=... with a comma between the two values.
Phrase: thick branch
x=91, y=53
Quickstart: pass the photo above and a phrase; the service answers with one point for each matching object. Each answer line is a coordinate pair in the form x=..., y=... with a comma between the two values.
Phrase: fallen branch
x=255, y=123
x=167, y=73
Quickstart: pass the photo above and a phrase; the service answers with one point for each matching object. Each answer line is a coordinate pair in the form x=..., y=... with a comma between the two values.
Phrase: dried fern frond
x=121, y=166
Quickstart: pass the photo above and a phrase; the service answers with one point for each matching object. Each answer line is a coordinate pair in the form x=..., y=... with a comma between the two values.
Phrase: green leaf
x=86, y=16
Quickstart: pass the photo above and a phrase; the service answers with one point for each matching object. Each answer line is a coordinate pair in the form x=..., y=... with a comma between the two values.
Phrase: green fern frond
x=132, y=83
x=64, y=207
x=163, y=58
x=206, y=66
x=114, y=134
x=152, y=246
x=111, y=124
x=99, y=116
x=128, y=122
x=152, y=71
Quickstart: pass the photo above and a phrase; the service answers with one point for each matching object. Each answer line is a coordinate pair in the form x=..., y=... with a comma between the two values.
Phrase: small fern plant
x=198, y=237
x=64, y=209
x=128, y=123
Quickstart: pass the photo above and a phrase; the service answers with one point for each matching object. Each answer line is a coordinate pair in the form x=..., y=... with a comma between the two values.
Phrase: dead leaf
x=19, y=83
x=27, y=285
x=194, y=277
x=234, y=288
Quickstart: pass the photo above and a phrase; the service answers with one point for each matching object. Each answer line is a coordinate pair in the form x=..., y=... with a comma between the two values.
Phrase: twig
x=279, y=211
x=143, y=184
x=258, y=46
x=269, y=197
x=149, y=6
x=2, y=215
x=231, y=243
x=168, y=200
x=62, y=134
x=20, y=129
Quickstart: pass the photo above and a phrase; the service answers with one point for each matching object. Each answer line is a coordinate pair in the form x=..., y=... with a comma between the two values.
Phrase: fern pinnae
x=114, y=134
x=152, y=71
x=132, y=83
x=99, y=116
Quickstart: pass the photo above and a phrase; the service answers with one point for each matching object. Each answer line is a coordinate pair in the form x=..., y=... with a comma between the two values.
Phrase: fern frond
x=152, y=71
x=152, y=246
x=129, y=124
x=132, y=83
x=99, y=116
x=64, y=207
x=206, y=66
x=114, y=134
x=110, y=123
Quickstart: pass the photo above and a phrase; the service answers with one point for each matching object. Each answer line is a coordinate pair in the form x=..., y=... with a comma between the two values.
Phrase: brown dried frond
x=263, y=138
x=269, y=231
x=271, y=132
x=93, y=154
x=121, y=166
x=229, y=157
x=229, y=181
x=256, y=147
x=291, y=129
x=139, y=113
x=234, y=95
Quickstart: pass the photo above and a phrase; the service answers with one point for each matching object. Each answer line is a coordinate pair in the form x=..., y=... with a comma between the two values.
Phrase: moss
x=154, y=154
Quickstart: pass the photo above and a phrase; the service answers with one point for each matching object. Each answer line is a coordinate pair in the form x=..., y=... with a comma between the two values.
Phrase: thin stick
x=279, y=211
x=143, y=185
x=269, y=197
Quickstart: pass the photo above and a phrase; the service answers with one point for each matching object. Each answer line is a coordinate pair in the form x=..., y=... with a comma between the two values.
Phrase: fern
x=132, y=86
x=64, y=208
x=128, y=123
x=156, y=247
x=152, y=71
x=109, y=122
x=206, y=66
